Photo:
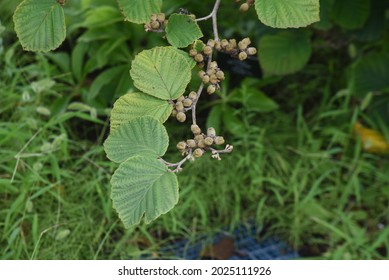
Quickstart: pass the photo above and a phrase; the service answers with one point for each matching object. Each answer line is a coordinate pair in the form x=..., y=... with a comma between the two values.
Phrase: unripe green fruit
x=211, y=132
x=155, y=25
x=192, y=95
x=195, y=129
x=191, y=143
x=207, y=50
x=244, y=7
x=252, y=51
x=220, y=75
x=199, y=137
x=219, y=140
x=211, y=89
x=201, y=144
x=181, y=117
x=161, y=17
x=208, y=141
x=242, y=56
x=187, y=102
x=181, y=146
x=179, y=106
x=198, y=153
x=199, y=57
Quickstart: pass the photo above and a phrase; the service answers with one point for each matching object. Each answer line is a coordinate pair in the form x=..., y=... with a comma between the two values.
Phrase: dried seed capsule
x=252, y=51
x=224, y=43
x=205, y=79
x=229, y=48
x=192, y=95
x=207, y=50
x=250, y=2
x=198, y=153
x=199, y=57
x=201, y=74
x=233, y=43
x=213, y=79
x=179, y=106
x=165, y=22
x=242, y=56
x=218, y=45
x=187, y=102
x=211, y=71
x=211, y=89
x=199, y=137
x=191, y=143
x=161, y=17
x=153, y=17
x=181, y=98
x=181, y=145
x=213, y=65
x=242, y=45
x=219, y=140
x=155, y=25
x=192, y=52
x=181, y=117
x=246, y=41
x=211, y=43
x=195, y=129
x=220, y=75
x=174, y=113
x=211, y=132
x=201, y=144
x=208, y=141
x=244, y=7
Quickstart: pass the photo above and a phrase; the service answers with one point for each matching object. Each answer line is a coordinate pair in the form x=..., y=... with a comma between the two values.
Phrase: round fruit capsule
x=181, y=117
x=198, y=153
x=195, y=129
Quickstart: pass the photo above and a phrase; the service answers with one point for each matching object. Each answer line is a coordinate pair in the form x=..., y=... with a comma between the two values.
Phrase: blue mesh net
x=245, y=244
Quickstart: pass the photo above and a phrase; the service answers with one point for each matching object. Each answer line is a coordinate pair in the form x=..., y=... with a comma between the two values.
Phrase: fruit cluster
x=157, y=23
x=200, y=53
x=213, y=76
x=182, y=105
x=245, y=6
x=200, y=143
x=239, y=49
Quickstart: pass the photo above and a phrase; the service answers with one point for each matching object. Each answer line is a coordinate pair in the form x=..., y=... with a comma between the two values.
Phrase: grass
x=297, y=172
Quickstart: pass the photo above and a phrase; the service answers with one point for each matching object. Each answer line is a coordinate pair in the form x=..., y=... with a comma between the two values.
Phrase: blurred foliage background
x=301, y=169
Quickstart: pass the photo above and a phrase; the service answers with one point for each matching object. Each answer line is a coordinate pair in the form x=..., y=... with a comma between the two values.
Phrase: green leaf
x=351, y=14
x=139, y=11
x=40, y=25
x=232, y=123
x=137, y=104
x=371, y=73
x=325, y=22
x=161, y=72
x=287, y=13
x=144, y=136
x=254, y=100
x=142, y=186
x=284, y=52
x=182, y=30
